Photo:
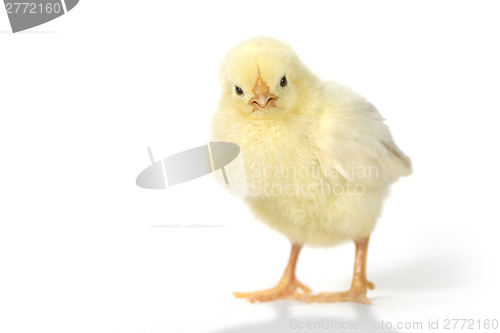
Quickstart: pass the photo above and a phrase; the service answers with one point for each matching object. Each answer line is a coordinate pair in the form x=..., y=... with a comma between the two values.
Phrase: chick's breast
x=293, y=184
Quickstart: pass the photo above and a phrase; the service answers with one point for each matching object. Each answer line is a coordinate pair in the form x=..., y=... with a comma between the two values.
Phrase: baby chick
x=319, y=159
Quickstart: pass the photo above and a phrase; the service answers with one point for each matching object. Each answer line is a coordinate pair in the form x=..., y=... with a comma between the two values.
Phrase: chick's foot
x=286, y=289
x=359, y=285
x=355, y=294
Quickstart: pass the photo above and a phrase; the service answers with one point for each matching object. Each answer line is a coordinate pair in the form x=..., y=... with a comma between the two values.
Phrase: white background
x=83, y=249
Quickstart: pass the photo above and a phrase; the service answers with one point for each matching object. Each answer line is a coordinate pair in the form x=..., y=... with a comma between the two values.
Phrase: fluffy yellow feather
x=319, y=159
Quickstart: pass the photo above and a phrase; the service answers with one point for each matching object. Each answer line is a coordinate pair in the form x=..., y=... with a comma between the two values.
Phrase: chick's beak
x=262, y=98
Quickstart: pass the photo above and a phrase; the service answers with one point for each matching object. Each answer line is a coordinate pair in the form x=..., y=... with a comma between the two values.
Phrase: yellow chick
x=319, y=159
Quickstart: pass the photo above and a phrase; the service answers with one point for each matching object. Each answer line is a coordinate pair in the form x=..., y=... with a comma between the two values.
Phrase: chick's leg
x=359, y=285
x=287, y=288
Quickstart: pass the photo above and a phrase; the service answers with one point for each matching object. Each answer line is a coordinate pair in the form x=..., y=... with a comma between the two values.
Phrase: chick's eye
x=238, y=90
x=283, y=82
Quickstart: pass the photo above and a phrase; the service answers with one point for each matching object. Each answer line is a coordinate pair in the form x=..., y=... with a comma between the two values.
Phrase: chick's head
x=263, y=78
